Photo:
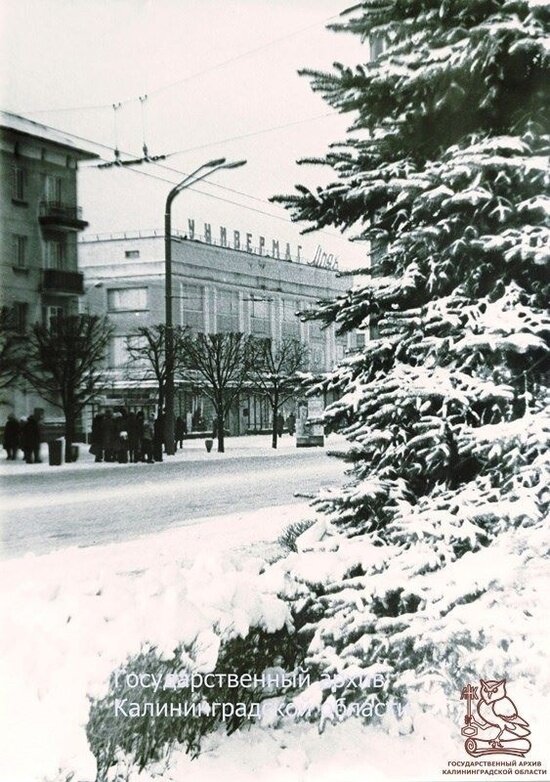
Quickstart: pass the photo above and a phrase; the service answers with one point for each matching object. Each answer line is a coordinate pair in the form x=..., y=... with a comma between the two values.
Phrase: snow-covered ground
x=71, y=617
x=193, y=450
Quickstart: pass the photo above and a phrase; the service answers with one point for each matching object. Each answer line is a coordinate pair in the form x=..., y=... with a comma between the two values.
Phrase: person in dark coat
x=195, y=420
x=30, y=440
x=96, y=438
x=139, y=435
x=291, y=423
x=280, y=424
x=121, y=445
x=109, y=435
x=11, y=436
x=158, y=438
x=131, y=428
x=147, y=440
x=179, y=431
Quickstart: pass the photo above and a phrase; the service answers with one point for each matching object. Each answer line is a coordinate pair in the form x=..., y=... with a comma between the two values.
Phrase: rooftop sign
x=259, y=246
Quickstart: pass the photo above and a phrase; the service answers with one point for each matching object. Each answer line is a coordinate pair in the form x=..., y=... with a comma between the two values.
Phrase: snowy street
x=46, y=508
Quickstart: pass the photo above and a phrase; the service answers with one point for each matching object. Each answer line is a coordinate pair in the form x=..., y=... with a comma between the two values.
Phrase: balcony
x=62, y=283
x=61, y=217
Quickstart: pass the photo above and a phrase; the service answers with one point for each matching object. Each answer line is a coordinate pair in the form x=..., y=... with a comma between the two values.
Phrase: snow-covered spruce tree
x=429, y=568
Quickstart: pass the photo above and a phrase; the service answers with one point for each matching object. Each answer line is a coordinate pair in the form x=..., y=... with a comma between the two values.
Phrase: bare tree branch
x=64, y=363
x=146, y=349
x=220, y=365
x=274, y=372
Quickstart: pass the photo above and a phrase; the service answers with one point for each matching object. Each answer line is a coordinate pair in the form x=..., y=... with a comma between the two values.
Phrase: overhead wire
x=228, y=200
x=229, y=138
x=142, y=98
x=188, y=78
x=252, y=133
x=211, y=183
x=202, y=192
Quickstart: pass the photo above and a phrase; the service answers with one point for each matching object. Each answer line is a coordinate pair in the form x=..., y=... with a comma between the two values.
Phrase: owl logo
x=497, y=728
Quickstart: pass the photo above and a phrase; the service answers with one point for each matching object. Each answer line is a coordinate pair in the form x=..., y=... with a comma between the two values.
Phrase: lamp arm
x=192, y=178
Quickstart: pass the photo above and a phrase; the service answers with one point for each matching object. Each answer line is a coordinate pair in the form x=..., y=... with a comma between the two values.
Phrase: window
x=131, y=253
x=53, y=189
x=19, y=183
x=51, y=315
x=290, y=326
x=56, y=253
x=228, y=311
x=119, y=354
x=259, y=317
x=341, y=346
x=20, y=311
x=20, y=251
x=317, y=358
x=121, y=299
x=316, y=332
x=140, y=363
x=192, y=306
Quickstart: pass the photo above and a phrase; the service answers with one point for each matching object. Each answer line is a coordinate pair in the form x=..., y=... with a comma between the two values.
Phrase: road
x=47, y=511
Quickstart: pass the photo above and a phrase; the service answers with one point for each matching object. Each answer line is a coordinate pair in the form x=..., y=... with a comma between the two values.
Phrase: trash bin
x=209, y=443
x=55, y=450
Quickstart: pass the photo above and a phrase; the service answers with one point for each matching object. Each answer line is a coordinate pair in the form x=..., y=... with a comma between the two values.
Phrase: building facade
x=39, y=223
x=215, y=289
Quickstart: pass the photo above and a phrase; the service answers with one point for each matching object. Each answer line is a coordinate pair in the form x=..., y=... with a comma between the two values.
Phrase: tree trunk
x=221, y=426
x=274, y=427
x=69, y=435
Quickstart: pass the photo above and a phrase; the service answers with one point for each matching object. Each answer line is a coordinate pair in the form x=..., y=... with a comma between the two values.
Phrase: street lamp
x=200, y=173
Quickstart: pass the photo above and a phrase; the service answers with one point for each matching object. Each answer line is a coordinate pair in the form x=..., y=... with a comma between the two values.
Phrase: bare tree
x=273, y=373
x=64, y=363
x=147, y=355
x=11, y=348
x=220, y=363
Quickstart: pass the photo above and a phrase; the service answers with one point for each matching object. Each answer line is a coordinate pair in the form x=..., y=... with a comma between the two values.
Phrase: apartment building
x=39, y=223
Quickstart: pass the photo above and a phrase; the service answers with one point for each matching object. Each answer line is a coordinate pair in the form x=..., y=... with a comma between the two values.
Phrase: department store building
x=220, y=283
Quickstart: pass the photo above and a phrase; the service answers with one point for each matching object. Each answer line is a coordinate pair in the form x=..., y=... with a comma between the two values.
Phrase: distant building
x=216, y=289
x=39, y=222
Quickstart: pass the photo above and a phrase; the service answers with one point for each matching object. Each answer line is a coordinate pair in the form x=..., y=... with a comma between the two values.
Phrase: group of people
x=122, y=436
x=117, y=436
x=290, y=424
x=23, y=435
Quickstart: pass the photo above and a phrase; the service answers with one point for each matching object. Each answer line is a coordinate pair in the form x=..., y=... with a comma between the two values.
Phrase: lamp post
x=200, y=173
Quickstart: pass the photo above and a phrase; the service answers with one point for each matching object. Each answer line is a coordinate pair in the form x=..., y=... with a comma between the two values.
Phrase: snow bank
x=70, y=618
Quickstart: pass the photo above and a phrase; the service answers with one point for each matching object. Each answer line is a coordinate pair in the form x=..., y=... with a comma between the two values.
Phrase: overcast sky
x=85, y=55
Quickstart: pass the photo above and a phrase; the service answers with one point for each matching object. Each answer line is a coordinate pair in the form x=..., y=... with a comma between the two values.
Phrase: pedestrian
x=96, y=438
x=30, y=437
x=139, y=435
x=158, y=437
x=214, y=428
x=131, y=428
x=147, y=440
x=11, y=436
x=179, y=431
x=196, y=417
x=280, y=422
x=121, y=436
x=291, y=423
x=109, y=435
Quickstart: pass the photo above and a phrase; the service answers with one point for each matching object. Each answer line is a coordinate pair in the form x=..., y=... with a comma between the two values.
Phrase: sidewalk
x=193, y=450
